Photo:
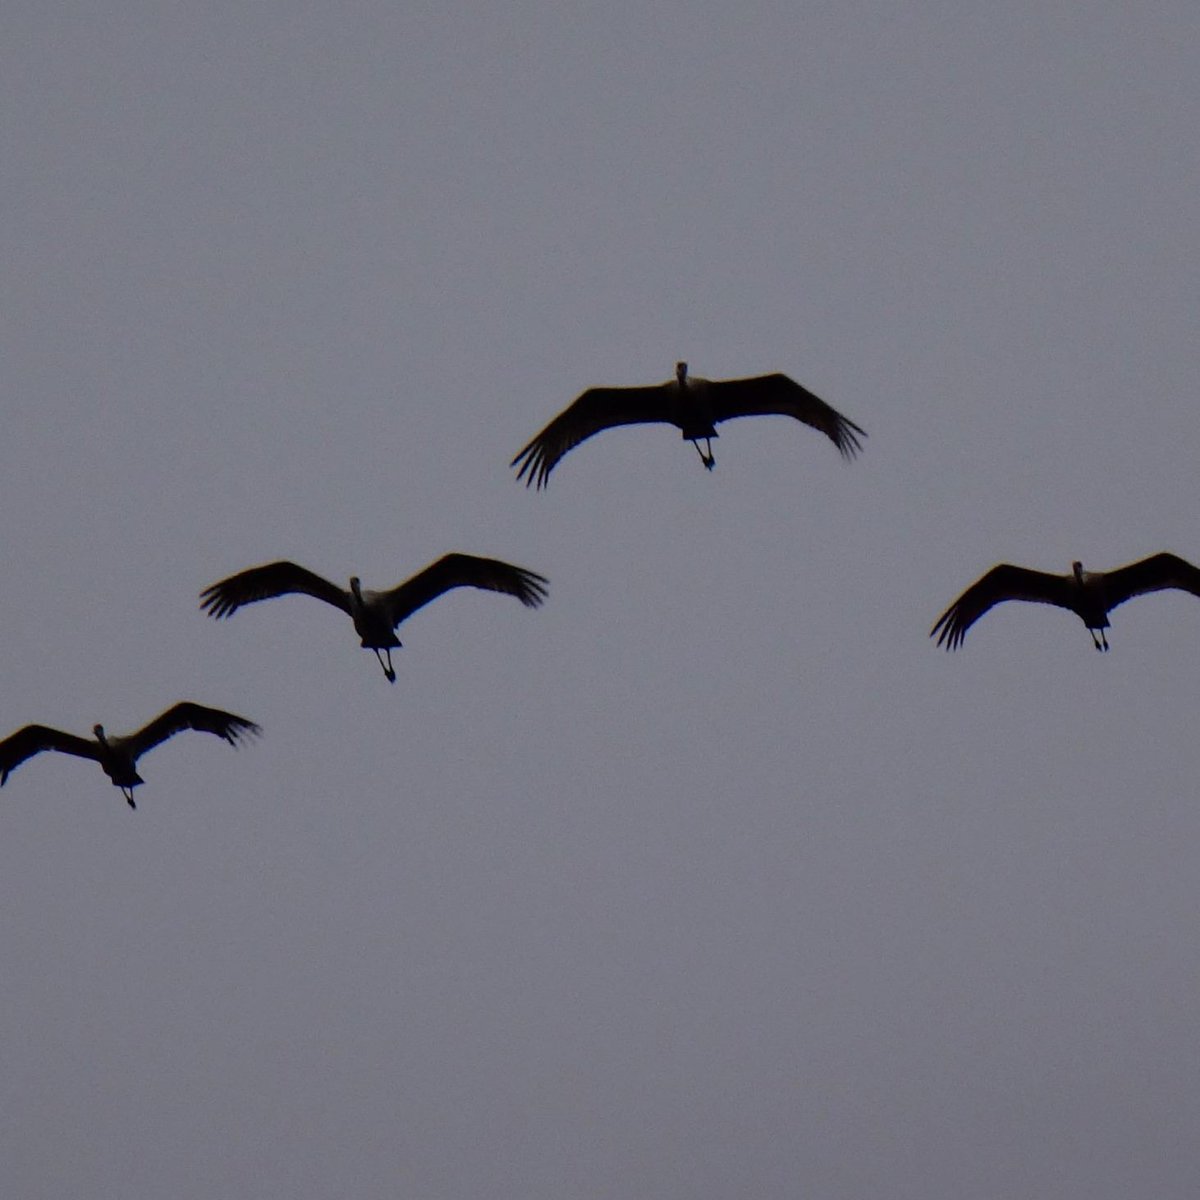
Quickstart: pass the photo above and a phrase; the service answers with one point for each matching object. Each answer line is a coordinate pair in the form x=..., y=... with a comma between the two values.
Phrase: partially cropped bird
x=1091, y=595
x=375, y=614
x=693, y=405
x=118, y=756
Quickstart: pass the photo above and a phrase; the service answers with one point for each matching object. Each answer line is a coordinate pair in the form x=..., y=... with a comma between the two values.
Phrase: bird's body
x=118, y=756
x=372, y=622
x=118, y=763
x=375, y=614
x=1091, y=595
x=695, y=406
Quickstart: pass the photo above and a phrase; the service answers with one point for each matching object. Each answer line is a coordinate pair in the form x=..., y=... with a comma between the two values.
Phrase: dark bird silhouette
x=694, y=406
x=375, y=614
x=1091, y=595
x=118, y=756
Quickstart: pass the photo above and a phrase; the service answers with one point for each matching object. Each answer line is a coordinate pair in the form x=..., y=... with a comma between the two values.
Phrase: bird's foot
x=389, y=672
x=709, y=462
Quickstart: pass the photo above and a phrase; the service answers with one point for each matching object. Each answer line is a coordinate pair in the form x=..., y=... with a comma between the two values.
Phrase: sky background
x=714, y=876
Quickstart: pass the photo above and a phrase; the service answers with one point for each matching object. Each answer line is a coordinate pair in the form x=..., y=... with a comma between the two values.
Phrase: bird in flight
x=1091, y=595
x=118, y=756
x=375, y=614
x=693, y=405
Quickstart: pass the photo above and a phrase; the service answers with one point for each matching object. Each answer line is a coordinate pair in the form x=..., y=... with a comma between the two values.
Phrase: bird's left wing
x=596, y=409
x=1002, y=582
x=226, y=596
x=777, y=394
x=1153, y=574
x=464, y=570
x=33, y=739
x=187, y=715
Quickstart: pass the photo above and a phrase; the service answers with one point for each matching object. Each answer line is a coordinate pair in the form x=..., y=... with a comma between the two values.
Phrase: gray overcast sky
x=714, y=877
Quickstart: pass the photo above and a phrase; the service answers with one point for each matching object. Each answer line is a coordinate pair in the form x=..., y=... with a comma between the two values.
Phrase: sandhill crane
x=693, y=405
x=118, y=756
x=1091, y=595
x=375, y=614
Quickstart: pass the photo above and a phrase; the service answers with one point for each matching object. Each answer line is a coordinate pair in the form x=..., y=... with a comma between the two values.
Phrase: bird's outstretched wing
x=187, y=715
x=463, y=570
x=33, y=739
x=1153, y=574
x=596, y=409
x=767, y=394
x=224, y=598
x=1002, y=582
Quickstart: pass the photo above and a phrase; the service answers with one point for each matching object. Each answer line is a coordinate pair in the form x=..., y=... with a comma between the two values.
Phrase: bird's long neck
x=101, y=736
x=681, y=374
x=1077, y=571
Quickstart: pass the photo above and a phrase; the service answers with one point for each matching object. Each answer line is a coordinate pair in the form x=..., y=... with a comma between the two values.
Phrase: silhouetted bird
x=375, y=614
x=1091, y=595
x=118, y=756
x=692, y=405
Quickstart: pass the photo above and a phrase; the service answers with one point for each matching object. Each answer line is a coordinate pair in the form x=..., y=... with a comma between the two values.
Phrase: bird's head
x=98, y=730
x=356, y=587
x=1077, y=571
x=681, y=372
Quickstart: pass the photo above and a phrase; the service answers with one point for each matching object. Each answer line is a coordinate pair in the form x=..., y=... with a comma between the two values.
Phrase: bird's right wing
x=1153, y=574
x=33, y=739
x=761, y=395
x=224, y=598
x=1002, y=582
x=464, y=570
x=594, y=410
x=187, y=715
